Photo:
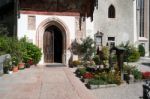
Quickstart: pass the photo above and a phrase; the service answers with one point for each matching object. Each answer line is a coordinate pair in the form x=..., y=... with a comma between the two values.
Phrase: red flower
x=146, y=75
x=30, y=62
x=88, y=75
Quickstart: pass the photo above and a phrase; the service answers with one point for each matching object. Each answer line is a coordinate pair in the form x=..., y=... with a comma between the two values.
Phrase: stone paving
x=43, y=83
x=125, y=91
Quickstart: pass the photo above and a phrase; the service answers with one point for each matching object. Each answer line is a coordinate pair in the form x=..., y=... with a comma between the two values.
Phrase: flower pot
x=5, y=70
x=21, y=66
x=10, y=72
x=27, y=65
x=15, y=69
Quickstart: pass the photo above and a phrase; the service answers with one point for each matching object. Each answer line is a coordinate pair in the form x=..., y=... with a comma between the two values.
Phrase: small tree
x=141, y=50
x=85, y=49
x=132, y=54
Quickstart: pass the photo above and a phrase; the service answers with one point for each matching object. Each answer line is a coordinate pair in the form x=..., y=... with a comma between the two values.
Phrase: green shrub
x=105, y=51
x=132, y=70
x=76, y=63
x=134, y=55
x=108, y=77
x=10, y=45
x=96, y=82
x=30, y=51
x=85, y=49
x=137, y=74
x=80, y=71
x=96, y=59
x=131, y=54
x=141, y=50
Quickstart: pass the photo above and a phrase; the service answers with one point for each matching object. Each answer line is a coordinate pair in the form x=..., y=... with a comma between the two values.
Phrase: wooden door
x=48, y=49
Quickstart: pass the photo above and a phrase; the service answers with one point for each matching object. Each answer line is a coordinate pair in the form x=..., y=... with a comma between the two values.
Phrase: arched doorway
x=53, y=45
x=59, y=28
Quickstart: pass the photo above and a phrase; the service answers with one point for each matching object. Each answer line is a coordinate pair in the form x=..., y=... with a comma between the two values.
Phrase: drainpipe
x=149, y=27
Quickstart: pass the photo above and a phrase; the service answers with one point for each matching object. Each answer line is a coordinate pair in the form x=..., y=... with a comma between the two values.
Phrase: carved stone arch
x=58, y=23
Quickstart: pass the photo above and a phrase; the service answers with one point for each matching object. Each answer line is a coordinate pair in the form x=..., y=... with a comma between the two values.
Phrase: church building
x=54, y=24
x=123, y=20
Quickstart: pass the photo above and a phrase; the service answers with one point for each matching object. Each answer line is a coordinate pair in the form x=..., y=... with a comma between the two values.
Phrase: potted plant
x=14, y=64
x=29, y=63
x=21, y=65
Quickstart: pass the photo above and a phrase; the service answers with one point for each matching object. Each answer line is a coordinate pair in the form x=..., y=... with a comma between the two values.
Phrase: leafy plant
x=137, y=74
x=141, y=50
x=10, y=45
x=105, y=51
x=80, y=71
x=96, y=59
x=86, y=49
x=75, y=63
x=15, y=61
x=132, y=70
x=131, y=54
x=96, y=82
x=30, y=51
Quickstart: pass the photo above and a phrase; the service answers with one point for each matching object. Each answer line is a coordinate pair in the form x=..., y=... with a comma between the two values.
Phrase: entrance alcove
x=53, y=38
x=53, y=45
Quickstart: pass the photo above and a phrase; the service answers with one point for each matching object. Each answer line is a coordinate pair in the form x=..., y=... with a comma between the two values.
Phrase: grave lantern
x=98, y=39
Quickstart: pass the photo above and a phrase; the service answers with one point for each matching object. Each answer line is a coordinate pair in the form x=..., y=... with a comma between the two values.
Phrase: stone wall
x=121, y=27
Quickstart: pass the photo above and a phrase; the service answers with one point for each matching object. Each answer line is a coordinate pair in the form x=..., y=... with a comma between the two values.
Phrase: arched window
x=111, y=11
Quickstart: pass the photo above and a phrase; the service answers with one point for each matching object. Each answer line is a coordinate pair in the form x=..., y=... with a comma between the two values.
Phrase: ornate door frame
x=65, y=32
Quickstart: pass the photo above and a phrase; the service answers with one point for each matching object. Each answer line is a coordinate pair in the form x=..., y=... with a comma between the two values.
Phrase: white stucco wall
x=121, y=27
x=69, y=22
x=89, y=28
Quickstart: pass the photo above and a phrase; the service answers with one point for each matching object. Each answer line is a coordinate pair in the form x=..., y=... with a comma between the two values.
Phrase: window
x=141, y=34
x=138, y=4
x=111, y=41
x=31, y=22
x=111, y=11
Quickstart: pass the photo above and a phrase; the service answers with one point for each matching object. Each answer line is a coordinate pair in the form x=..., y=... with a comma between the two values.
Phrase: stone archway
x=57, y=25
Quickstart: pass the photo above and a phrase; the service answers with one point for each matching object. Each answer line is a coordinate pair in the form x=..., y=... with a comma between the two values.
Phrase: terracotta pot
x=21, y=65
x=15, y=69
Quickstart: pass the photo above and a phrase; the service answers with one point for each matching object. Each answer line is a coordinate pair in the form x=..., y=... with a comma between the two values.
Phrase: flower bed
x=146, y=75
